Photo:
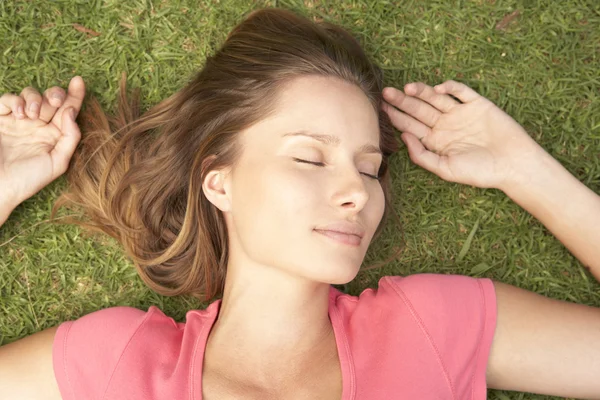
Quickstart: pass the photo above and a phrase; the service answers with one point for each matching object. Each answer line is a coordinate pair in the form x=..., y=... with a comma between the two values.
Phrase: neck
x=269, y=320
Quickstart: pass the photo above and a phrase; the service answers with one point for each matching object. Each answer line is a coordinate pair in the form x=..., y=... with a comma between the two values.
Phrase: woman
x=265, y=180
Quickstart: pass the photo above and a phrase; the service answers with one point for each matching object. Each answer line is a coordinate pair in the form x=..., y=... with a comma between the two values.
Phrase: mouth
x=341, y=237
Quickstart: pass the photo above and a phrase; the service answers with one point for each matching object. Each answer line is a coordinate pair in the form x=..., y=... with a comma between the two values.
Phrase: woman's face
x=277, y=203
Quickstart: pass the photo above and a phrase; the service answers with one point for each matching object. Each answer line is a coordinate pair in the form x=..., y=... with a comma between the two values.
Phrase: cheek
x=297, y=191
x=273, y=214
x=279, y=202
x=378, y=207
x=273, y=198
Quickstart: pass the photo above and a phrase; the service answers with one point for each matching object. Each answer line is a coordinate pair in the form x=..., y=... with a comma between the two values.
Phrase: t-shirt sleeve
x=86, y=351
x=458, y=314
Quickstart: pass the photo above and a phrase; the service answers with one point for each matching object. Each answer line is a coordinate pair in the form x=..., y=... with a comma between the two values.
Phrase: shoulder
x=450, y=308
x=113, y=317
x=429, y=293
x=441, y=323
x=436, y=291
x=86, y=351
x=457, y=314
x=125, y=353
x=113, y=325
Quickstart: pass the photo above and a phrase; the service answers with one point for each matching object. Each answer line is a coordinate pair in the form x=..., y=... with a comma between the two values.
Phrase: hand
x=35, y=148
x=470, y=141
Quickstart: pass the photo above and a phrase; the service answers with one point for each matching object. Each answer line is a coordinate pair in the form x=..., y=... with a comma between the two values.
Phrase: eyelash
x=322, y=165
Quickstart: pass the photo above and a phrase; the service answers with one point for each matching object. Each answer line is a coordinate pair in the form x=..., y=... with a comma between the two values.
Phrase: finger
x=53, y=98
x=33, y=100
x=425, y=92
x=75, y=96
x=66, y=145
x=458, y=90
x=11, y=103
x=404, y=122
x=425, y=158
x=414, y=107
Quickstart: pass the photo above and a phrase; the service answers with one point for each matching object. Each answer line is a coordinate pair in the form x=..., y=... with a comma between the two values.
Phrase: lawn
x=538, y=60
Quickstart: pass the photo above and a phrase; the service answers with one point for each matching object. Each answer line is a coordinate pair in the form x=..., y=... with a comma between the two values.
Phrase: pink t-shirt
x=423, y=336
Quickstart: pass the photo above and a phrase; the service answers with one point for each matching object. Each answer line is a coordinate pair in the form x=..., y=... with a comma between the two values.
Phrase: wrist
x=543, y=184
x=7, y=204
x=533, y=167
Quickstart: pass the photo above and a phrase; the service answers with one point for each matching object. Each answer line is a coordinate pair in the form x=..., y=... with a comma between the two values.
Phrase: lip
x=345, y=238
x=348, y=228
x=343, y=231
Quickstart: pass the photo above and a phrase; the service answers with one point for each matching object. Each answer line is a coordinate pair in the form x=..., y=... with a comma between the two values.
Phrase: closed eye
x=320, y=164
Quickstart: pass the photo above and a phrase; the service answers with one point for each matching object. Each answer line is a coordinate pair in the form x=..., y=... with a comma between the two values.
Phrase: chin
x=341, y=276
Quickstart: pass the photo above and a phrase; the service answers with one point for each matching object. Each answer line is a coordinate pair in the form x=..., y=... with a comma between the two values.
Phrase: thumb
x=66, y=145
x=72, y=113
x=424, y=158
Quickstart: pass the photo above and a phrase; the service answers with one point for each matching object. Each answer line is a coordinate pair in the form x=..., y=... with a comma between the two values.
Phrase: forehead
x=320, y=104
x=326, y=99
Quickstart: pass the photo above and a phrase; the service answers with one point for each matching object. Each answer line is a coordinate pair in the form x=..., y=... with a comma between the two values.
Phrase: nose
x=351, y=191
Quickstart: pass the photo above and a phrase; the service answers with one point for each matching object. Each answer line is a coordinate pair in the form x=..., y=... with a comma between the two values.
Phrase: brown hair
x=142, y=184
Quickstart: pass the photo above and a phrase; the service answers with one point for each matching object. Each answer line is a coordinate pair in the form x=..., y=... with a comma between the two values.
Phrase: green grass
x=542, y=69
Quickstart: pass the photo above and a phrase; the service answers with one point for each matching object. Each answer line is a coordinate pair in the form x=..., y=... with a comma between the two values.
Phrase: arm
x=26, y=370
x=476, y=143
x=569, y=209
x=35, y=148
x=27, y=164
x=544, y=345
x=540, y=345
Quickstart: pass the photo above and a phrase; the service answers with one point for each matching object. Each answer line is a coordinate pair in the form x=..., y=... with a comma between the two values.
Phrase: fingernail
x=20, y=111
x=34, y=107
x=57, y=96
x=73, y=114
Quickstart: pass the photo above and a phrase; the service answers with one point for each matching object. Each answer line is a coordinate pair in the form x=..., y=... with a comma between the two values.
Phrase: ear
x=214, y=188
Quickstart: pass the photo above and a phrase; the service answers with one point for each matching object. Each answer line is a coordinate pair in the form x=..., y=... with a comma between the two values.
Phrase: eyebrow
x=331, y=140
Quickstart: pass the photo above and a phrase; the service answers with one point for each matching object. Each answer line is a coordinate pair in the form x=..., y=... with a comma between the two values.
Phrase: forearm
x=569, y=209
